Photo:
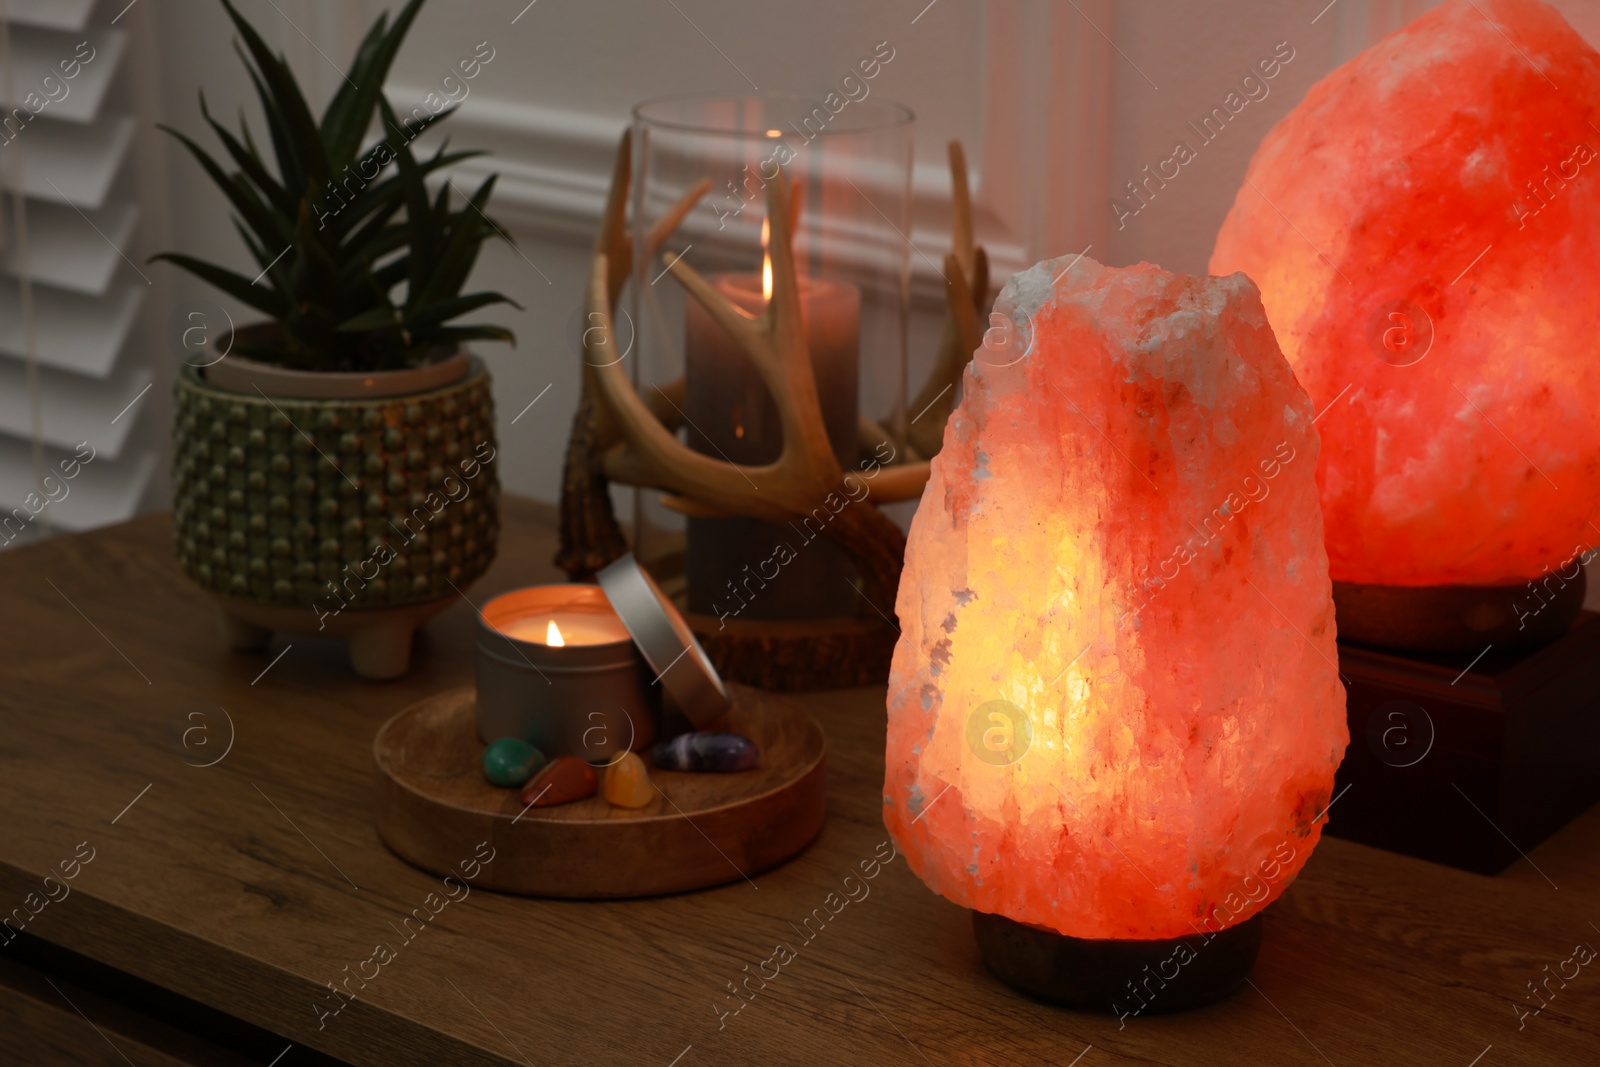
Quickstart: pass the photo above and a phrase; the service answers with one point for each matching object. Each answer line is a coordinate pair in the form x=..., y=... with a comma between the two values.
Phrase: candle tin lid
x=666, y=641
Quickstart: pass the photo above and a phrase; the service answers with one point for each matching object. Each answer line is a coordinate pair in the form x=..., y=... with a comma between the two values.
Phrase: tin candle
x=557, y=668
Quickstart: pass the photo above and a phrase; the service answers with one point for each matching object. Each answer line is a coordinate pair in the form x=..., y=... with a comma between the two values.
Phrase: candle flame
x=552, y=635
x=766, y=260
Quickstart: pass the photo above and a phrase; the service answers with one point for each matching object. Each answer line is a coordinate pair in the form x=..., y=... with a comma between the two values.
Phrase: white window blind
x=69, y=300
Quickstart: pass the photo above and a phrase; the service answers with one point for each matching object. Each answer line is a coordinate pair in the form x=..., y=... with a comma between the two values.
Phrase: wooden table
x=245, y=886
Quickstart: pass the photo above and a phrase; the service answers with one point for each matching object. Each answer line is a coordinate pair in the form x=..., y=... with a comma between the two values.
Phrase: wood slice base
x=1457, y=618
x=799, y=656
x=434, y=807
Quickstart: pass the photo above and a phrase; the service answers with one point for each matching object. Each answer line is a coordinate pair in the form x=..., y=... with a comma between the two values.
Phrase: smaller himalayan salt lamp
x=627, y=783
x=561, y=781
x=1425, y=230
x=1114, y=715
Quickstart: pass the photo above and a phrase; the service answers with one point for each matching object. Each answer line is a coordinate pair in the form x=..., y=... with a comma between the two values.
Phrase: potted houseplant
x=334, y=472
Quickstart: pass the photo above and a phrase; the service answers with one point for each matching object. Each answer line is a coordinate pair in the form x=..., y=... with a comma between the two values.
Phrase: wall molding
x=555, y=172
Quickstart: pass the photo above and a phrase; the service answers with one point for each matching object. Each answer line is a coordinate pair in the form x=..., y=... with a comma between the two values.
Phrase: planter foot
x=382, y=651
x=244, y=636
x=378, y=640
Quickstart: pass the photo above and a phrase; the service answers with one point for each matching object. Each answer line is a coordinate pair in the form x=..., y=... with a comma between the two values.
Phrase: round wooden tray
x=434, y=807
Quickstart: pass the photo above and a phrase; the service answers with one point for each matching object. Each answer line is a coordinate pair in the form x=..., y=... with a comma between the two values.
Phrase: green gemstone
x=510, y=761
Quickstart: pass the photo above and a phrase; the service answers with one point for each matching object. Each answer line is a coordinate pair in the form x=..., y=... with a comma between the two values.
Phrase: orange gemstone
x=1425, y=230
x=1113, y=707
x=560, y=782
x=628, y=783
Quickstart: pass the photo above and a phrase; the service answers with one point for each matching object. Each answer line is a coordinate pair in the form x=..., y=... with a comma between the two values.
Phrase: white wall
x=1055, y=116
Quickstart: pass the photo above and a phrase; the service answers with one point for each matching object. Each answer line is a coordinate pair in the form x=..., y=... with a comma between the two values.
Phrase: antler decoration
x=619, y=436
x=966, y=271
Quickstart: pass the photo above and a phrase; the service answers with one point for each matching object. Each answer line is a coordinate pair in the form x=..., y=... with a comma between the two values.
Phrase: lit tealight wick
x=552, y=635
x=766, y=261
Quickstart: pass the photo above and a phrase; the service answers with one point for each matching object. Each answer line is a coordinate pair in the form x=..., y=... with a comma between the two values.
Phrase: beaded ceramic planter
x=355, y=517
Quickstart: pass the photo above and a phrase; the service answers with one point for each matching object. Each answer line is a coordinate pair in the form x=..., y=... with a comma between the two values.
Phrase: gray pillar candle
x=747, y=568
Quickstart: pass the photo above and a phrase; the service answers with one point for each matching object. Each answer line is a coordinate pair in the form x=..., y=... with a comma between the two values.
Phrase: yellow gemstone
x=628, y=783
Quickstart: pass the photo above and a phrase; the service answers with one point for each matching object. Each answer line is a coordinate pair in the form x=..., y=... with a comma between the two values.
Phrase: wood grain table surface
x=250, y=884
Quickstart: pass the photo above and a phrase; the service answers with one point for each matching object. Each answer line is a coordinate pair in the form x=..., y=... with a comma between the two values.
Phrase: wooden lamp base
x=1121, y=977
x=1469, y=759
x=1457, y=618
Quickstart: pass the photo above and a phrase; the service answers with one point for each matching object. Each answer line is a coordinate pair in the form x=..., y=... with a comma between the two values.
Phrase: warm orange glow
x=766, y=260
x=1074, y=739
x=576, y=627
x=1428, y=260
x=774, y=133
x=559, y=615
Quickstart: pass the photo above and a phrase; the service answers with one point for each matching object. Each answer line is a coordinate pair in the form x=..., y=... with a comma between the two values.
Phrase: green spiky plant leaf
x=361, y=269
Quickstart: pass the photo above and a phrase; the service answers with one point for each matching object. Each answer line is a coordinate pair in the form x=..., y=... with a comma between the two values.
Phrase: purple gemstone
x=707, y=751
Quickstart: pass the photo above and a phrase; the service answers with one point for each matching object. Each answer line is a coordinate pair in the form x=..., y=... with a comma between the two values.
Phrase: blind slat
x=74, y=408
x=76, y=333
x=68, y=252
x=104, y=491
x=38, y=54
x=81, y=160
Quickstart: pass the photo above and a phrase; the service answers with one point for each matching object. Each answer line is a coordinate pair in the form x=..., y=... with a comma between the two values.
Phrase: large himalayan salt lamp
x=1113, y=709
x=1425, y=230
